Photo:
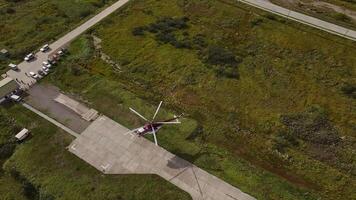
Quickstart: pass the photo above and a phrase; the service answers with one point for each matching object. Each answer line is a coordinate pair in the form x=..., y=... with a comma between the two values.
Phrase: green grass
x=42, y=168
x=286, y=69
x=27, y=25
x=10, y=189
x=113, y=99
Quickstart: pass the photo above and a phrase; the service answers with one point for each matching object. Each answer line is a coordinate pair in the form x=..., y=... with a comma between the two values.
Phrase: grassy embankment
x=274, y=100
x=27, y=25
x=42, y=168
x=322, y=12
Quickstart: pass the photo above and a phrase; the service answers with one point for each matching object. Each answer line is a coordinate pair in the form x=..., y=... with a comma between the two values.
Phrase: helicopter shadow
x=178, y=163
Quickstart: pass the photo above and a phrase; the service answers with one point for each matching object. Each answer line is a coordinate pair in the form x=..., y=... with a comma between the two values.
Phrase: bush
x=349, y=90
x=311, y=126
x=163, y=26
x=139, y=31
x=216, y=55
x=77, y=70
x=10, y=11
x=7, y=150
x=256, y=21
x=166, y=38
x=342, y=17
x=199, y=41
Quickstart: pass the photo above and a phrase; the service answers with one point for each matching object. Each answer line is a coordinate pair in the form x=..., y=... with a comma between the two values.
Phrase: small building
x=22, y=134
x=4, y=53
x=7, y=86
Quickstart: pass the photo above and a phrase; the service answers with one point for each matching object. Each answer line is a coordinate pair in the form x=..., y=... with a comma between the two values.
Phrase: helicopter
x=152, y=126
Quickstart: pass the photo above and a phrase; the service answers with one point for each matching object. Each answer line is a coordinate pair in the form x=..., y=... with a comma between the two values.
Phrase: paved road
x=35, y=65
x=105, y=146
x=302, y=18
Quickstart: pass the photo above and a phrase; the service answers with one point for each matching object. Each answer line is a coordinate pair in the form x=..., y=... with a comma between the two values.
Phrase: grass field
x=27, y=25
x=97, y=86
x=277, y=119
x=42, y=168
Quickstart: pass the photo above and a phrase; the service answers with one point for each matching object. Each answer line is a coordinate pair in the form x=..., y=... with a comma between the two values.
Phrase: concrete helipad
x=105, y=146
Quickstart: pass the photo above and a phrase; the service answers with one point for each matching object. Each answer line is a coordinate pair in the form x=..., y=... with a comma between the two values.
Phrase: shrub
x=163, y=26
x=7, y=150
x=342, y=17
x=199, y=41
x=77, y=70
x=216, y=55
x=311, y=126
x=256, y=21
x=139, y=31
x=10, y=11
x=166, y=38
x=349, y=90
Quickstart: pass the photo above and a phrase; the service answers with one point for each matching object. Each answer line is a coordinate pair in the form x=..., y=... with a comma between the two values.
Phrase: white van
x=22, y=134
x=13, y=67
x=15, y=98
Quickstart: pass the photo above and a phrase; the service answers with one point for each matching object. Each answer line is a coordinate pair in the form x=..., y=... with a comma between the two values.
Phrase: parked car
x=13, y=67
x=34, y=75
x=61, y=52
x=56, y=57
x=41, y=73
x=15, y=98
x=46, y=64
x=44, y=48
x=29, y=57
x=45, y=69
x=52, y=61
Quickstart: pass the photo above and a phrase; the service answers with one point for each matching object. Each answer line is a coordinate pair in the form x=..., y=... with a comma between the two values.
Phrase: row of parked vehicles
x=46, y=65
x=29, y=57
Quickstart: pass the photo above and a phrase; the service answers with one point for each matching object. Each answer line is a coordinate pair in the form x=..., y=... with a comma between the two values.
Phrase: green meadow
x=269, y=104
x=272, y=101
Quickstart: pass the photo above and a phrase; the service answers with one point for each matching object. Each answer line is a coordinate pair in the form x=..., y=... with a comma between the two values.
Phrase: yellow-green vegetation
x=348, y=4
x=334, y=11
x=42, y=168
x=95, y=81
x=282, y=127
x=26, y=25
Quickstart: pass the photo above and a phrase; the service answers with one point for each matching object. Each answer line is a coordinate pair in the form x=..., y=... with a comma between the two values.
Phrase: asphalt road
x=302, y=18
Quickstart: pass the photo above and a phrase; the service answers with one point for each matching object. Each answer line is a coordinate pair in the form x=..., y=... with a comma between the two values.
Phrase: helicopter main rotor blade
x=168, y=122
x=154, y=135
x=159, y=106
x=131, y=131
x=134, y=111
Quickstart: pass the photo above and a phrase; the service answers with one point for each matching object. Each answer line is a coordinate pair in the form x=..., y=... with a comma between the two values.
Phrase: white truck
x=13, y=67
